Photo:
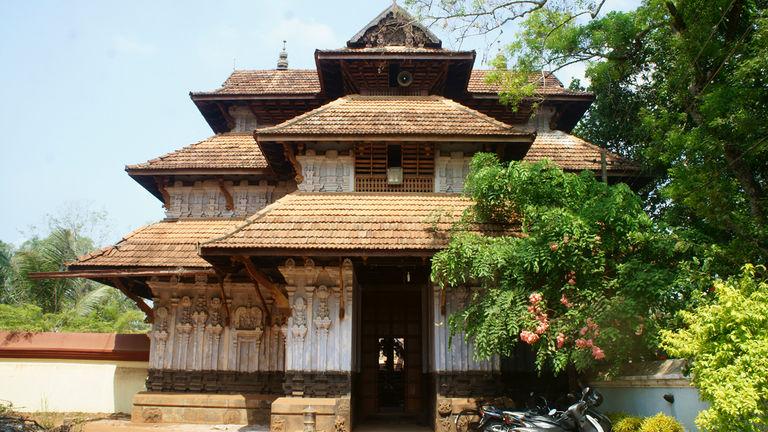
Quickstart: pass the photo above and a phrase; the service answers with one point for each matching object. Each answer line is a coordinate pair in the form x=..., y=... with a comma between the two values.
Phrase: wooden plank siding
x=417, y=161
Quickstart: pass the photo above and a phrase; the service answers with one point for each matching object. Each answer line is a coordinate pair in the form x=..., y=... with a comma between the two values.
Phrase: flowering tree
x=591, y=278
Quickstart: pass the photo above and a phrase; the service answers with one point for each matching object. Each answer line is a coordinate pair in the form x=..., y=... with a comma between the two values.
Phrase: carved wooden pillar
x=323, y=324
x=184, y=329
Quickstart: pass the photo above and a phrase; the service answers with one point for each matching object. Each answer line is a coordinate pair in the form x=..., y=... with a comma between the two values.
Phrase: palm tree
x=51, y=254
x=6, y=273
x=65, y=304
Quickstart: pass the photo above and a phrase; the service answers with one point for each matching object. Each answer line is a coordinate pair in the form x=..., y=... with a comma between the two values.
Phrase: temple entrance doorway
x=392, y=379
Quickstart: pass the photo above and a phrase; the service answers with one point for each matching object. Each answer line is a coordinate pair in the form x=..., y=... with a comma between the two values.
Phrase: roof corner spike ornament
x=282, y=62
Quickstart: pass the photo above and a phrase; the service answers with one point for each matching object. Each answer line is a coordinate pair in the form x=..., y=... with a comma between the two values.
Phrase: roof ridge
x=589, y=144
x=478, y=114
x=187, y=147
x=167, y=155
x=340, y=101
x=249, y=221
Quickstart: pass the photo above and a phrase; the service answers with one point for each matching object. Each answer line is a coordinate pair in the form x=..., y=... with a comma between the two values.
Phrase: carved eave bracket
x=143, y=306
x=261, y=279
x=227, y=195
x=162, y=186
x=290, y=155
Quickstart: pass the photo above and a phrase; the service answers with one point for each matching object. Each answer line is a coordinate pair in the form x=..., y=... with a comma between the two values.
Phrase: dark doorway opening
x=392, y=379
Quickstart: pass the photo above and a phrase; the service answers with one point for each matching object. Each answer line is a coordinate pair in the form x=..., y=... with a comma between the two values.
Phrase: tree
x=589, y=278
x=50, y=254
x=727, y=343
x=6, y=272
x=678, y=87
x=61, y=304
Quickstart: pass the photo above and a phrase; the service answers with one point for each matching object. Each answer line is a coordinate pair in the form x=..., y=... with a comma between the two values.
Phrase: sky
x=90, y=86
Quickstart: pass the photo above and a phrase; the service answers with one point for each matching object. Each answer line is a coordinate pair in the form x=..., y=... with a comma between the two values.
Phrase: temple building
x=289, y=279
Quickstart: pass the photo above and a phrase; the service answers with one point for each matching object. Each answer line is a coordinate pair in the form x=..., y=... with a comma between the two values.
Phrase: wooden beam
x=228, y=196
x=136, y=299
x=260, y=278
x=162, y=182
x=224, y=299
x=227, y=117
x=291, y=157
x=109, y=274
x=263, y=302
x=343, y=300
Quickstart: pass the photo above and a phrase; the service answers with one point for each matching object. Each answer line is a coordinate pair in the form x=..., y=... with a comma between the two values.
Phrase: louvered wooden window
x=417, y=161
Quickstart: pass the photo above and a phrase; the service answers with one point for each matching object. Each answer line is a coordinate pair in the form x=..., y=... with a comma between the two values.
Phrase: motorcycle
x=581, y=416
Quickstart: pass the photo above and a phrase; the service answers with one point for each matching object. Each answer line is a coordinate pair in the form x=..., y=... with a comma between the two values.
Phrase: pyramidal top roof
x=394, y=27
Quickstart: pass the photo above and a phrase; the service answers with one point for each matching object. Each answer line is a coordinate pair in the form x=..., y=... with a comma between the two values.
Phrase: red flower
x=560, y=340
x=597, y=353
x=541, y=328
x=529, y=337
x=564, y=300
x=535, y=298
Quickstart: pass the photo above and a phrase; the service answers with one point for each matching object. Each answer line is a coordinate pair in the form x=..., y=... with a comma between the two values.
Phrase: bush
x=727, y=344
x=660, y=423
x=616, y=416
x=627, y=423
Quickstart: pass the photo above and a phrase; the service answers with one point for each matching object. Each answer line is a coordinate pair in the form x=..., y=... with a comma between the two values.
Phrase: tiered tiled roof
x=392, y=115
x=269, y=82
x=168, y=244
x=351, y=221
x=572, y=153
x=232, y=150
x=306, y=81
x=546, y=84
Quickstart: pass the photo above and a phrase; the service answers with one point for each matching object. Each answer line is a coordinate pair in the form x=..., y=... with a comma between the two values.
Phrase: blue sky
x=89, y=87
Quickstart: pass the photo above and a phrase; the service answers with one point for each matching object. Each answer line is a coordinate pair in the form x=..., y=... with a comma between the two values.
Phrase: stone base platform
x=331, y=414
x=129, y=426
x=199, y=408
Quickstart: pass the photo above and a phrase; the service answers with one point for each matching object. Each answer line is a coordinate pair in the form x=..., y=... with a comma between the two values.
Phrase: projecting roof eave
x=218, y=96
x=102, y=272
x=565, y=97
x=526, y=137
x=211, y=252
x=391, y=54
x=138, y=172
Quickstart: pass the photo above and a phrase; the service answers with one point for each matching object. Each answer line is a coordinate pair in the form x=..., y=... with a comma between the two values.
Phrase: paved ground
x=127, y=426
x=388, y=425
x=392, y=425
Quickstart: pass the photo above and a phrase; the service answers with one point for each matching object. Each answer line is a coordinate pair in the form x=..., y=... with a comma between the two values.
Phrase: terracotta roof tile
x=387, y=115
x=269, y=82
x=351, y=221
x=231, y=150
x=548, y=84
x=573, y=153
x=162, y=244
x=307, y=82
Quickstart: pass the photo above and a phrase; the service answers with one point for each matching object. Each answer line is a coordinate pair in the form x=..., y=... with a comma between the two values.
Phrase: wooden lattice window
x=417, y=159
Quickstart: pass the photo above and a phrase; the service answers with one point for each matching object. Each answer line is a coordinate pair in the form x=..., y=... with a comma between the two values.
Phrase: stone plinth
x=150, y=407
x=331, y=414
